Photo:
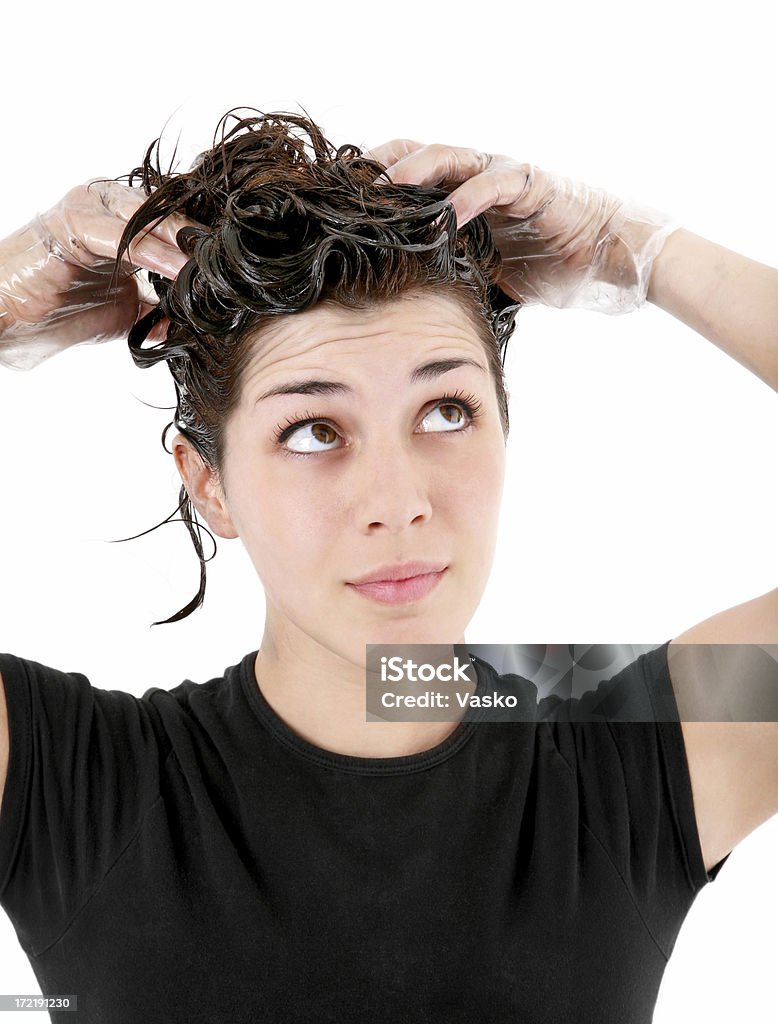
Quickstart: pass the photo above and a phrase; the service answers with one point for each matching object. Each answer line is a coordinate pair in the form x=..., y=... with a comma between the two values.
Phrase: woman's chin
x=423, y=630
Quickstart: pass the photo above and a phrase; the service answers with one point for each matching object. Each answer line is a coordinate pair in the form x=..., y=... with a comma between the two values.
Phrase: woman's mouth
x=399, y=591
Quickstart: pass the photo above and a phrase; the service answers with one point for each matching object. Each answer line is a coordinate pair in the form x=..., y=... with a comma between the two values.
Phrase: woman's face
x=388, y=473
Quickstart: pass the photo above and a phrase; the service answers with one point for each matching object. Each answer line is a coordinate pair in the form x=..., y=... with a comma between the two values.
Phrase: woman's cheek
x=296, y=510
x=482, y=479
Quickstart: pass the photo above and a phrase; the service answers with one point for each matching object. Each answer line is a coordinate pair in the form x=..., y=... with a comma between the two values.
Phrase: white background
x=642, y=483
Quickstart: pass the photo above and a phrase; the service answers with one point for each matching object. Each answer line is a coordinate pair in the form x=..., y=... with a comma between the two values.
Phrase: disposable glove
x=562, y=243
x=56, y=286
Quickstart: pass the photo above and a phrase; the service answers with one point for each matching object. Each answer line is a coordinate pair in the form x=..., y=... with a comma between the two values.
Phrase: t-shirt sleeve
x=84, y=767
x=635, y=788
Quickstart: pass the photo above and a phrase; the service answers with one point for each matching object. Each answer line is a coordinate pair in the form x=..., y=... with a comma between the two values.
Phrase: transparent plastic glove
x=55, y=273
x=562, y=243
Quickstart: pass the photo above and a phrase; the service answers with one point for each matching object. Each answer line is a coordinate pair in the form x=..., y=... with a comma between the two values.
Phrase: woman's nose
x=393, y=487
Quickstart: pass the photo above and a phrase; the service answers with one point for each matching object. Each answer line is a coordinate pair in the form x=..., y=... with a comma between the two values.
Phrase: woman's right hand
x=561, y=242
x=56, y=287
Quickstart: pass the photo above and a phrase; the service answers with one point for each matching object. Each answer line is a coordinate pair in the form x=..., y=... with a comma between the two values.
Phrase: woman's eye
x=452, y=417
x=308, y=436
x=312, y=435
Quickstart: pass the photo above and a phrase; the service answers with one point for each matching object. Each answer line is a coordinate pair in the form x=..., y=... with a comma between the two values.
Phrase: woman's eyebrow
x=426, y=371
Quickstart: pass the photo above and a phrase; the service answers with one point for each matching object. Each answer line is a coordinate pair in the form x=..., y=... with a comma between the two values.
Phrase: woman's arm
x=733, y=765
x=727, y=298
x=732, y=301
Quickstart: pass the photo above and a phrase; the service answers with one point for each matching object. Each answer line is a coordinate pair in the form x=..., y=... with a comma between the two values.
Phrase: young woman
x=252, y=848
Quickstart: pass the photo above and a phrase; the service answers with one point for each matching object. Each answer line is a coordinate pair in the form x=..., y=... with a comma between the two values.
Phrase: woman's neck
x=321, y=696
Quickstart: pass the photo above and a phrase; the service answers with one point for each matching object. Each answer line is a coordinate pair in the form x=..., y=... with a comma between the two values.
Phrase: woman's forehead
x=394, y=332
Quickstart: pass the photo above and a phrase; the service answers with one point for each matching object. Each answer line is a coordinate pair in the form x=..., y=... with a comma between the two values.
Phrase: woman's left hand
x=561, y=243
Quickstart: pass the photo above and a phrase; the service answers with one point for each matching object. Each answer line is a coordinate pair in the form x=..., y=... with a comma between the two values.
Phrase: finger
x=151, y=253
x=389, y=153
x=510, y=189
x=99, y=235
x=122, y=202
x=438, y=164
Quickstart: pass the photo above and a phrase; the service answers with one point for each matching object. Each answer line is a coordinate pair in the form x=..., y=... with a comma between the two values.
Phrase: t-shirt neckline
x=352, y=763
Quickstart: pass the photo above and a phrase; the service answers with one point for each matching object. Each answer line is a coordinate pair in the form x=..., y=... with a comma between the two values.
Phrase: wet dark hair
x=288, y=221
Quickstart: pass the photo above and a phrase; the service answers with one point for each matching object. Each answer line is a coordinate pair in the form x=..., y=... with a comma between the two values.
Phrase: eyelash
x=466, y=401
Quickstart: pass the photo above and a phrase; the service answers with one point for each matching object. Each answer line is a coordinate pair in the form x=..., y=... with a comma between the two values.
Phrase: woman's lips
x=399, y=591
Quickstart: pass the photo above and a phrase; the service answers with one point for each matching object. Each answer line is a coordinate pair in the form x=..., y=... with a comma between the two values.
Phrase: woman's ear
x=203, y=488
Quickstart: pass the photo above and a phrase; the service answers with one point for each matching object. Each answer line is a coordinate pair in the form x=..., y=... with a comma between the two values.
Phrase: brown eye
x=451, y=412
x=453, y=415
x=323, y=433
x=308, y=437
